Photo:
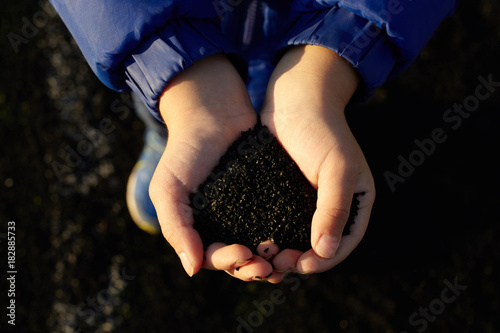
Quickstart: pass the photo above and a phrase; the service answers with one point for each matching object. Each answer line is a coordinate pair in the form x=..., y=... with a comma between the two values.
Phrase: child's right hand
x=205, y=108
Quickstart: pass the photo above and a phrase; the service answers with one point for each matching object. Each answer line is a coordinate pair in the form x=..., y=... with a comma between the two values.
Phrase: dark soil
x=256, y=193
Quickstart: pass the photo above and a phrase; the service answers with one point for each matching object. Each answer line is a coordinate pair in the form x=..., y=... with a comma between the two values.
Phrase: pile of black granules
x=256, y=193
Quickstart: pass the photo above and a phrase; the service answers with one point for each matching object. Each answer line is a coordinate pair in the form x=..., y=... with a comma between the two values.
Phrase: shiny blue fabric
x=141, y=45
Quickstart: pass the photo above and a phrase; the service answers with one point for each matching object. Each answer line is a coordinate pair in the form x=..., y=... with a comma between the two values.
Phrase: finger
x=267, y=249
x=311, y=262
x=175, y=216
x=286, y=260
x=257, y=269
x=220, y=256
x=336, y=183
x=276, y=277
x=179, y=171
x=176, y=226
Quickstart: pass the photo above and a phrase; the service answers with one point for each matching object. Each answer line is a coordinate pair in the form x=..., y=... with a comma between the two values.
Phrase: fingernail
x=243, y=261
x=186, y=263
x=327, y=246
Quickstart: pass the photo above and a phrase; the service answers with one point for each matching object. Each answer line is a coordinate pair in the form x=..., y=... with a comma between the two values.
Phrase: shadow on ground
x=429, y=261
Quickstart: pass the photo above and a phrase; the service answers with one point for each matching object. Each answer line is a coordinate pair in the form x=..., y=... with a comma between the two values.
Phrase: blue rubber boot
x=139, y=203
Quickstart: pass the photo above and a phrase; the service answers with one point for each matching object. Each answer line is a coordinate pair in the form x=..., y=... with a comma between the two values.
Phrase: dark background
x=83, y=266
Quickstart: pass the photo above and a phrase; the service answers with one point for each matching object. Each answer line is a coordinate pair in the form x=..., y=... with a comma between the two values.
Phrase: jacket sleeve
x=141, y=45
x=380, y=38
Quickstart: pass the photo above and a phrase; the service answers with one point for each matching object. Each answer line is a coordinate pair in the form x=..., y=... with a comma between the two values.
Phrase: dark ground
x=83, y=266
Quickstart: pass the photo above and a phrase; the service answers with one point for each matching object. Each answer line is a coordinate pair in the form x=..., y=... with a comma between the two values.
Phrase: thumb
x=171, y=201
x=336, y=184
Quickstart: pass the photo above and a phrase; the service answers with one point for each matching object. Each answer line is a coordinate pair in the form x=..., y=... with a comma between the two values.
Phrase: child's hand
x=304, y=109
x=205, y=109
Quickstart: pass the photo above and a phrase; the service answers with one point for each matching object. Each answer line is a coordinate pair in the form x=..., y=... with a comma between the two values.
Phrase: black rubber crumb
x=256, y=193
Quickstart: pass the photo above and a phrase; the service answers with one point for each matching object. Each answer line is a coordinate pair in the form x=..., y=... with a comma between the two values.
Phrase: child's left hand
x=304, y=109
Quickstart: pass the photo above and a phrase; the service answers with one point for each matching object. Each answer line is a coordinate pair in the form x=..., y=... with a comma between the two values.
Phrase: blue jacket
x=142, y=45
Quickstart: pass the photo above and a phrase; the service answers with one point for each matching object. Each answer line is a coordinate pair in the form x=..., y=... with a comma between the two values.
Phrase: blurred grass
x=74, y=234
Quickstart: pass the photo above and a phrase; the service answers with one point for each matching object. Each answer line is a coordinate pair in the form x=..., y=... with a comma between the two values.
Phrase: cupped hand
x=205, y=109
x=304, y=109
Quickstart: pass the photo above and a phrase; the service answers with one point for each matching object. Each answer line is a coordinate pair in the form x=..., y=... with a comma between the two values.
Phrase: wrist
x=210, y=89
x=318, y=76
